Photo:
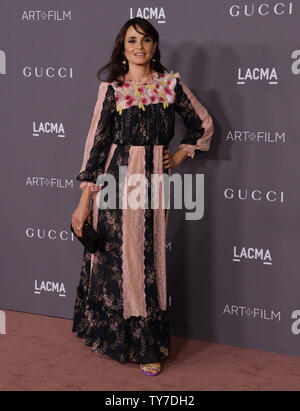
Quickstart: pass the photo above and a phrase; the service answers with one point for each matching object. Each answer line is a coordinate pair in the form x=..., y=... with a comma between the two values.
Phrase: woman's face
x=138, y=48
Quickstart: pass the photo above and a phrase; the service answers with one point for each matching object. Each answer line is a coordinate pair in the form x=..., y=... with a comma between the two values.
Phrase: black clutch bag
x=91, y=239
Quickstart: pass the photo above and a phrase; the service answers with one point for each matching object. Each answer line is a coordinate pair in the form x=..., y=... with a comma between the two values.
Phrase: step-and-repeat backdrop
x=233, y=275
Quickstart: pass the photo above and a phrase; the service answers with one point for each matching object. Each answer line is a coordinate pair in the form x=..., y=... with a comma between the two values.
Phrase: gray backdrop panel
x=233, y=276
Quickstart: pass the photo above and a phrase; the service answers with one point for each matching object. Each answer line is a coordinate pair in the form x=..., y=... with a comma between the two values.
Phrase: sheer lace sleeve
x=99, y=138
x=196, y=118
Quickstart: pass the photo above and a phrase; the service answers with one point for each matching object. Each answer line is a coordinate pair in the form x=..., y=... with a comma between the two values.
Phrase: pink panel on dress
x=133, y=229
x=159, y=230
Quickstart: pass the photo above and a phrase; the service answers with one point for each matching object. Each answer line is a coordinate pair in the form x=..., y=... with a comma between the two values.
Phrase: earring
x=152, y=61
x=124, y=64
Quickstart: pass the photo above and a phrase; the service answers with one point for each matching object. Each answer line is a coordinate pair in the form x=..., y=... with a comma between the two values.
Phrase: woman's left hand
x=168, y=159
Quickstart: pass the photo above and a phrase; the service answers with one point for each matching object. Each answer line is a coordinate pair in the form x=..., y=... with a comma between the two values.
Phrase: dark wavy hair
x=115, y=67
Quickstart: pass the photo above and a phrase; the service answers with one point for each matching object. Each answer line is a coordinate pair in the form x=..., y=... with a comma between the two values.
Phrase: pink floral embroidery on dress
x=161, y=90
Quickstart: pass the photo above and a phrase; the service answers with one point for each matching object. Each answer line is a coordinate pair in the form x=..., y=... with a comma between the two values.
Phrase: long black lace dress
x=121, y=305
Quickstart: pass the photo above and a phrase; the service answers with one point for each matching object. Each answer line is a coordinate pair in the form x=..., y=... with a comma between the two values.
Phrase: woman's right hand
x=79, y=216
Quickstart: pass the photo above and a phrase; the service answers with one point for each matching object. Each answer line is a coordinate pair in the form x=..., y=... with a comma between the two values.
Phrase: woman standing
x=121, y=304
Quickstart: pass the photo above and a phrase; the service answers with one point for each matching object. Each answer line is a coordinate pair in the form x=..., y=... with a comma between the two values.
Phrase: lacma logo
x=2, y=62
x=48, y=127
x=50, y=287
x=267, y=75
x=251, y=253
x=149, y=13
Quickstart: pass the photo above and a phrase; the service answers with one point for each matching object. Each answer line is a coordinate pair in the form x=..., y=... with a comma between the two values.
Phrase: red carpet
x=41, y=353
